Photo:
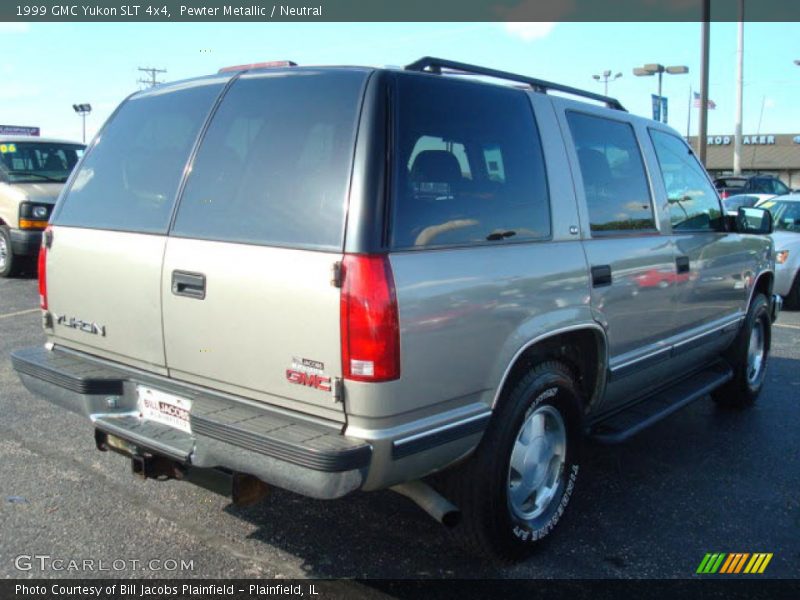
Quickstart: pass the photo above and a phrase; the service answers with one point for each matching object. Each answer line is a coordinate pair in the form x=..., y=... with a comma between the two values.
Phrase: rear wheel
x=513, y=491
x=9, y=263
x=748, y=356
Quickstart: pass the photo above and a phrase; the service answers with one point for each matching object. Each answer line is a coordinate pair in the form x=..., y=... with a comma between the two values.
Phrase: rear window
x=274, y=165
x=129, y=179
x=468, y=166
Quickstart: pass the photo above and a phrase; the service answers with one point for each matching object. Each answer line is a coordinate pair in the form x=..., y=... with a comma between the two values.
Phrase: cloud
x=14, y=27
x=529, y=31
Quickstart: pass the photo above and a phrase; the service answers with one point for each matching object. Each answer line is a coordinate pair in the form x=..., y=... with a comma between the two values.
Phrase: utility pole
x=152, y=71
x=737, y=136
x=702, y=134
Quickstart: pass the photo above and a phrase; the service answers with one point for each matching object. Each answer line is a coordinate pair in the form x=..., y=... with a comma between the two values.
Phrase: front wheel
x=748, y=356
x=513, y=491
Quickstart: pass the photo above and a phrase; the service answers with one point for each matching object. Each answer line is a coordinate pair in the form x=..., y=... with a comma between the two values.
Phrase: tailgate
x=109, y=230
x=107, y=303
x=267, y=326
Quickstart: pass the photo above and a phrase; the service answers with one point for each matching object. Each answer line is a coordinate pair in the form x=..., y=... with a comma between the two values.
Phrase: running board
x=630, y=420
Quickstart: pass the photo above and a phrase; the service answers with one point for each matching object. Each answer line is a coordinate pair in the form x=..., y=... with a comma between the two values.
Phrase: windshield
x=31, y=162
x=786, y=215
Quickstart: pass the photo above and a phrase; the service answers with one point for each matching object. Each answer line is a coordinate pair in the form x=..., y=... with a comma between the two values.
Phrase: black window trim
x=391, y=199
x=615, y=233
x=722, y=229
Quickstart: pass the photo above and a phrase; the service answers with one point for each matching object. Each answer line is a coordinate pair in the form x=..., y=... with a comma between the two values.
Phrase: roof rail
x=429, y=64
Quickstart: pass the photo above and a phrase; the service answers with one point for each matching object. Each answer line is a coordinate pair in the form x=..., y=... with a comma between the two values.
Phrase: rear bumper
x=25, y=242
x=305, y=456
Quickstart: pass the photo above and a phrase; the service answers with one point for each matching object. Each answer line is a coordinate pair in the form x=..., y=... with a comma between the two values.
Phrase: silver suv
x=339, y=279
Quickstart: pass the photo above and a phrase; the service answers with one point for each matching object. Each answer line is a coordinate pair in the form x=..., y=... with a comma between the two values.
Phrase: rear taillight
x=43, y=269
x=369, y=319
x=725, y=194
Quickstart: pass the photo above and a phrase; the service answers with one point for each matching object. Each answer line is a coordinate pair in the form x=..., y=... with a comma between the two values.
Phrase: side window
x=614, y=179
x=693, y=201
x=779, y=188
x=469, y=167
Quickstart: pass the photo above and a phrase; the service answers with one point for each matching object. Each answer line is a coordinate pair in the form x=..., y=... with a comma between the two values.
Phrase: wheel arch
x=583, y=348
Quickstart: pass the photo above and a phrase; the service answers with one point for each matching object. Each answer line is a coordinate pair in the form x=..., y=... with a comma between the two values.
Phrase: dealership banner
x=18, y=130
x=392, y=10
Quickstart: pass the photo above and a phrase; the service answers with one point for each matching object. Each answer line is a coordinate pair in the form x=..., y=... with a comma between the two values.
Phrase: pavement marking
x=776, y=325
x=33, y=310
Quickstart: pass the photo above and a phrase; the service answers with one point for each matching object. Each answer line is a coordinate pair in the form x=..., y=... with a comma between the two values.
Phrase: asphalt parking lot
x=705, y=480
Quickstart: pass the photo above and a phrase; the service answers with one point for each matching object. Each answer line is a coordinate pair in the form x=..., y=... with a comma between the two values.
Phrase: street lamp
x=655, y=68
x=605, y=78
x=83, y=110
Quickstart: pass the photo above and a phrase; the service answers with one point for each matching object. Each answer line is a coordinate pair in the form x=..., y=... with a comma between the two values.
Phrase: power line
x=152, y=72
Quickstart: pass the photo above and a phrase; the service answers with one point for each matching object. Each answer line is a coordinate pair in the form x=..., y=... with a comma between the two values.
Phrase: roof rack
x=429, y=64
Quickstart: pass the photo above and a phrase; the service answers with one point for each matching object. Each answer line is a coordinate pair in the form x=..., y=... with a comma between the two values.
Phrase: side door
x=718, y=267
x=632, y=261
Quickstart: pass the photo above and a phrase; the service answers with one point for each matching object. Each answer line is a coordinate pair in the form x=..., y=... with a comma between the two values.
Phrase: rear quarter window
x=468, y=166
x=129, y=178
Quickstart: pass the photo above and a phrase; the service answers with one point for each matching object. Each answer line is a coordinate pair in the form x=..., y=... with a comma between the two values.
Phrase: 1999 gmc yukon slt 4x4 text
x=338, y=279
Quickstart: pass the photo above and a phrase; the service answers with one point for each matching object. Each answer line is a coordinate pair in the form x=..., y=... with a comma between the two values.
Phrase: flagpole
x=689, y=116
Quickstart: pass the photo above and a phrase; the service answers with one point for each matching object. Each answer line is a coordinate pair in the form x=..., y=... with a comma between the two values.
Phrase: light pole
x=83, y=110
x=605, y=78
x=655, y=68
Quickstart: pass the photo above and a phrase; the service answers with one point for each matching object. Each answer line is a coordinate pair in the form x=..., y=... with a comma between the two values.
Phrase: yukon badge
x=85, y=326
x=309, y=373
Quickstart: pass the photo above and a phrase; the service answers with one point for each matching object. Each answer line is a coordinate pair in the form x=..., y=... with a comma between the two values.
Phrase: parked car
x=786, y=214
x=423, y=274
x=32, y=172
x=756, y=184
x=733, y=203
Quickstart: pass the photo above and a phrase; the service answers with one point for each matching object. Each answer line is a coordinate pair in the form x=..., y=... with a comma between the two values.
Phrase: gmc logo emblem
x=309, y=379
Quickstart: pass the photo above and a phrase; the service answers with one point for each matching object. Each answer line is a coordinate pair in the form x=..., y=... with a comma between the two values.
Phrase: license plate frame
x=164, y=408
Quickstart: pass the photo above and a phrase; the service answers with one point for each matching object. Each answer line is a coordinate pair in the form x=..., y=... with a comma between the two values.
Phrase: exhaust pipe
x=431, y=501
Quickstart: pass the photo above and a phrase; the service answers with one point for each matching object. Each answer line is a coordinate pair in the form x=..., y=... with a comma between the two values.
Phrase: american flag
x=711, y=104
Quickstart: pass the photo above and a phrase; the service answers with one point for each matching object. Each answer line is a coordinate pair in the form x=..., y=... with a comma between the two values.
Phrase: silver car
x=786, y=214
x=332, y=279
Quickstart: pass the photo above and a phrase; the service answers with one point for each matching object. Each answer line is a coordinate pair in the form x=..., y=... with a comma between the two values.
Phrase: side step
x=630, y=420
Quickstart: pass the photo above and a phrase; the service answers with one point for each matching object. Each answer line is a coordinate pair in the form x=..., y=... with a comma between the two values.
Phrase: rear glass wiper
x=31, y=173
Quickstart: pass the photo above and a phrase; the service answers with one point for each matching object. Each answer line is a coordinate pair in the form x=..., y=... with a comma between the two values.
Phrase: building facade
x=769, y=154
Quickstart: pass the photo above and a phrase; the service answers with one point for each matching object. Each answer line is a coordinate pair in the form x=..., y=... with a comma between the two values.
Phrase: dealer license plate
x=163, y=408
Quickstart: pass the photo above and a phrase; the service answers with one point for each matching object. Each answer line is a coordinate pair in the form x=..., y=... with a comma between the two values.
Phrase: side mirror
x=757, y=221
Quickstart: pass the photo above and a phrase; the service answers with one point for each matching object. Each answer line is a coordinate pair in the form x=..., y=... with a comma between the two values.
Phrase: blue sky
x=47, y=67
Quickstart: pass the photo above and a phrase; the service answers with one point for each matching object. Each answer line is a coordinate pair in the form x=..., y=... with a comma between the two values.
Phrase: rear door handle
x=192, y=285
x=601, y=275
x=682, y=262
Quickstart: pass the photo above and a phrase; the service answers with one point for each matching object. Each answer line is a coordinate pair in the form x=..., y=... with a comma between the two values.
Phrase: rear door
x=109, y=231
x=249, y=306
x=632, y=262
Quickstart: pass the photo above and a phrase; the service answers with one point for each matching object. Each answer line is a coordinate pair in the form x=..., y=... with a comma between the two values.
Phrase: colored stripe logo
x=734, y=563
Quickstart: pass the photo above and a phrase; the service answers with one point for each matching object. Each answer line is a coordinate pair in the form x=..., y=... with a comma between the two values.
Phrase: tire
x=501, y=519
x=748, y=355
x=793, y=297
x=9, y=263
